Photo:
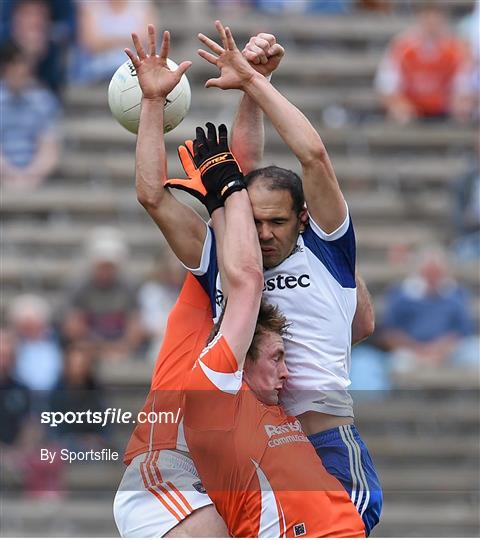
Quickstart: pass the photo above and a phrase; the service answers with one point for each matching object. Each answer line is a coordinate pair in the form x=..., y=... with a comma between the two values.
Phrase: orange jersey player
x=255, y=462
x=257, y=465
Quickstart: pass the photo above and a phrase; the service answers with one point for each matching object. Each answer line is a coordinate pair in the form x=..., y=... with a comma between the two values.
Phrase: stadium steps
x=35, y=237
x=101, y=132
x=116, y=202
x=425, y=173
x=361, y=100
x=68, y=518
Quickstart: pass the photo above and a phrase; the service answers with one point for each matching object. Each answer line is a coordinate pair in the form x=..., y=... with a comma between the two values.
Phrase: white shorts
x=158, y=490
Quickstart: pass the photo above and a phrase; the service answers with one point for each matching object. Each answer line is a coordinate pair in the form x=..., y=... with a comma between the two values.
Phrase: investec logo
x=291, y=431
x=286, y=282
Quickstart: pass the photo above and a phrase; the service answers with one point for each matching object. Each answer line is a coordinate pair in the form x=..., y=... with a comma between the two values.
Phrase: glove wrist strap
x=234, y=185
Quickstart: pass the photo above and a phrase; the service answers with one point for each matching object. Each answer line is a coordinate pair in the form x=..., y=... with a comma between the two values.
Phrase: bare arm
x=182, y=227
x=322, y=192
x=363, y=323
x=248, y=133
x=242, y=266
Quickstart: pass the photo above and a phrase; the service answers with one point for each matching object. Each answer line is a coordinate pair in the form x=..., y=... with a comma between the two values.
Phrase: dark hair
x=9, y=54
x=277, y=178
x=270, y=319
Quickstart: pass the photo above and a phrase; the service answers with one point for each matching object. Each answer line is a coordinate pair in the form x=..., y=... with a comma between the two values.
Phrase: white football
x=125, y=95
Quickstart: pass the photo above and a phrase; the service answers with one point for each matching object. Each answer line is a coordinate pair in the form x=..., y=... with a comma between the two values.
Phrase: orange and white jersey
x=188, y=326
x=255, y=462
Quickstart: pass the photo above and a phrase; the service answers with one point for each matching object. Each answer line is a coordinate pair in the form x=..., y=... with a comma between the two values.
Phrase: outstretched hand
x=235, y=71
x=154, y=76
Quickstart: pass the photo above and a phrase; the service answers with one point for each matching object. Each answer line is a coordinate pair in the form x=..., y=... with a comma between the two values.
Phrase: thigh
x=158, y=491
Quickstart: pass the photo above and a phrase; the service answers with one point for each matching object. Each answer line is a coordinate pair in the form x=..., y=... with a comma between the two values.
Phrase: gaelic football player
x=309, y=268
x=256, y=463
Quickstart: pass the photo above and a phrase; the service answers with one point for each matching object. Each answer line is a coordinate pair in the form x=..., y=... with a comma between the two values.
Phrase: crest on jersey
x=199, y=487
x=299, y=529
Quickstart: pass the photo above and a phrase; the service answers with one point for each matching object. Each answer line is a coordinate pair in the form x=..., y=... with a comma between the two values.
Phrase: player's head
x=265, y=370
x=432, y=18
x=279, y=210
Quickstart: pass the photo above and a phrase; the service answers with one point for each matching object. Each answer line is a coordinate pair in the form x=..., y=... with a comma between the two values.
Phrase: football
x=125, y=94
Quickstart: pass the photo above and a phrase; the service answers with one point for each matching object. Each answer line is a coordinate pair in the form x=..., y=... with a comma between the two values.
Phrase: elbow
x=248, y=277
x=315, y=153
x=368, y=328
x=149, y=200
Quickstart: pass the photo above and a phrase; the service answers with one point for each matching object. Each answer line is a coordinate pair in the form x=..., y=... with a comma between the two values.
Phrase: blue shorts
x=346, y=457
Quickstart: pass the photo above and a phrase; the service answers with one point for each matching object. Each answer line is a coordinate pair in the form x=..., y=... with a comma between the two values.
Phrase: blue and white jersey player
x=309, y=259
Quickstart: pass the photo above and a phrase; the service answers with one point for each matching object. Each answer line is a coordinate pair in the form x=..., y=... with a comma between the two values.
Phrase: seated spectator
x=78, y=391
x=157, y=296
x=38, y=354
x=427, y=318
x=29, y=127
x=43, y=30
x=14, y=396
x=102, y=308
x=422, y=74
x=104, y=30
x=469, y=31
x=467, y=212
x=281, y=7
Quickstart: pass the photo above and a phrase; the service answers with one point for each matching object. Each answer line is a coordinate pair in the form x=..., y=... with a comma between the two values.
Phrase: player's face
x=277, y=223
x=267, y=374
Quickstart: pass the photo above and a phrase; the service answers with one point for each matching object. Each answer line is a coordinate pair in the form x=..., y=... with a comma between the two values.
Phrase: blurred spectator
x=427, y=318
x=43, y=30
x=157, y=296
x=422, y=74
x=39, y=358
x=281, y=7
x=467, y=212
x=28, y=130
x=104, y=30
x=102, y=308
x=469, y=30
x=78, y=391
x=14, y=396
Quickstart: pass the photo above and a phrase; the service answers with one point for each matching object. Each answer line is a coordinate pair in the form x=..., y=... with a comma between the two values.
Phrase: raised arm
x=239, y=255
x=182, y=227
x=248, y=135
x=322, y=192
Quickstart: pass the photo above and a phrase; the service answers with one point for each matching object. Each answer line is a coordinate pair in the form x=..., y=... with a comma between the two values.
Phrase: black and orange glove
x=193, y=184
x=219, y=170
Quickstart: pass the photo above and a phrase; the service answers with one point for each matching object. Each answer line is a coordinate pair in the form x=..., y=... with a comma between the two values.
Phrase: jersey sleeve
x=336, y=250
x=213, y=388
x=207, y=271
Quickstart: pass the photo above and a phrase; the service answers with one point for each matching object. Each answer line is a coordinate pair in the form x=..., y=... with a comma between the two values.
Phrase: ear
x=303, y=218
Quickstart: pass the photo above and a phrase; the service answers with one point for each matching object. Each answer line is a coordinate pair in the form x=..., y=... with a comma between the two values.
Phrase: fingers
x=201, y=139
x=212, y=45
x=152, y=40
x=276, y=50
x=270, y=38
x=256, y=54
x=207, y=56
x=230, y=41
x=186, y=160
x=138, y=46
x=165, y=45
x=214, y=83
x=211, y=133
x=223, y=136
x=189, y=145
x=133, y=58
x=222, y=34
x=182, y=68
